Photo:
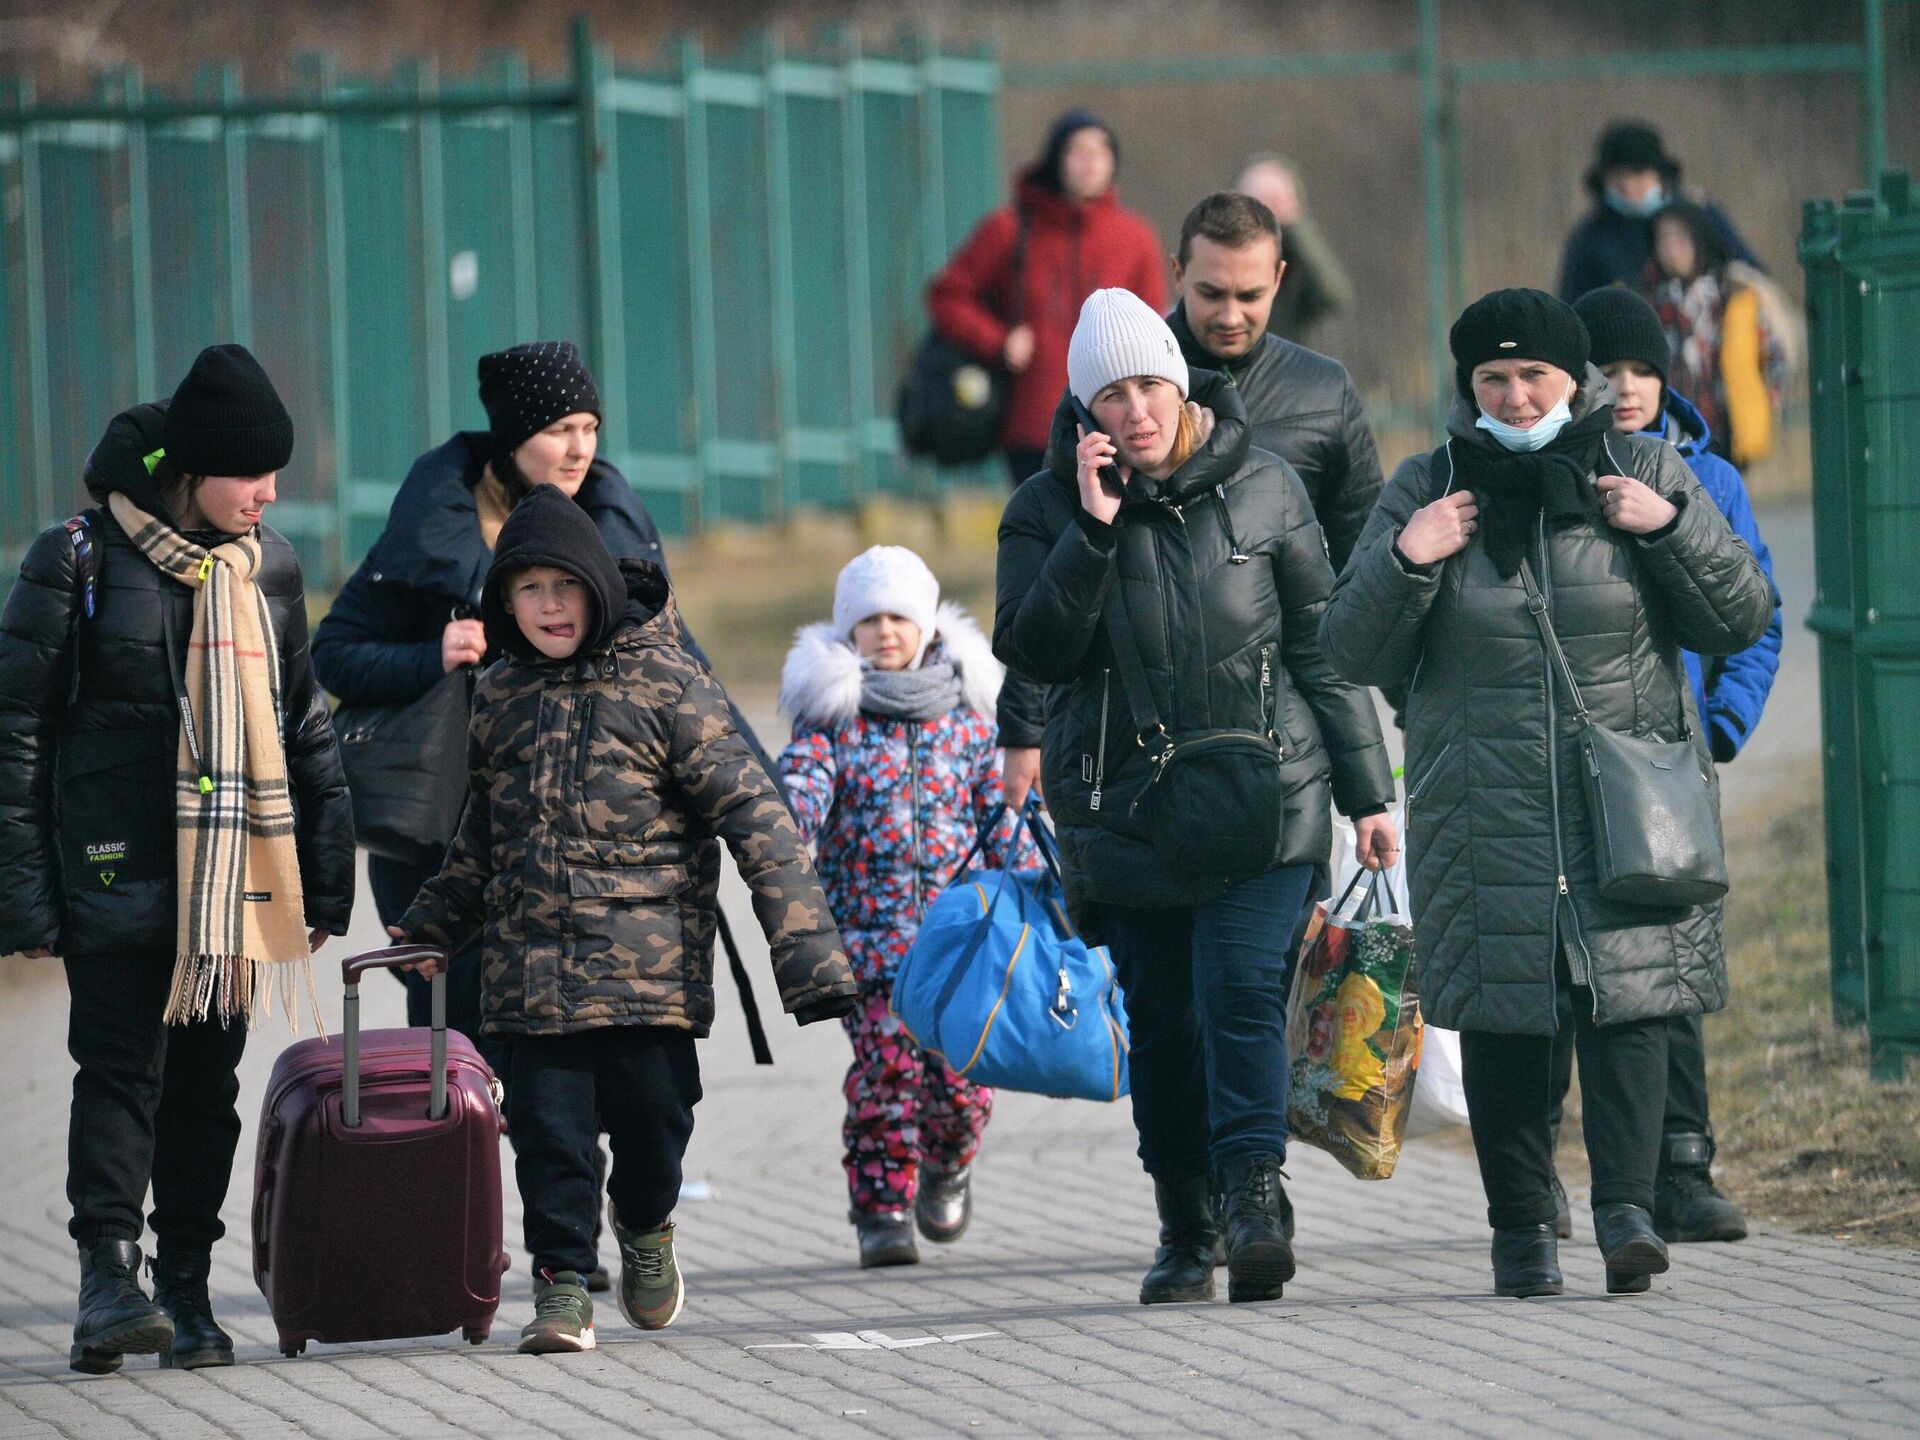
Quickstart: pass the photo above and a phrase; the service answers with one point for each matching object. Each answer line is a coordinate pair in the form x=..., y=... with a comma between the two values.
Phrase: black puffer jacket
x=1497, y=814
x=1206, y=629
x=97, y=769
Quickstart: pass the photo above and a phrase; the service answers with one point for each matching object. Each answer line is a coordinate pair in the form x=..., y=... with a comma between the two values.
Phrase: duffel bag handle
x=391, y=958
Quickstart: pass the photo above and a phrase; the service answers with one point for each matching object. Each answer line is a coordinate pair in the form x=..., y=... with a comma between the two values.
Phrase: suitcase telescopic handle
x=350, y=971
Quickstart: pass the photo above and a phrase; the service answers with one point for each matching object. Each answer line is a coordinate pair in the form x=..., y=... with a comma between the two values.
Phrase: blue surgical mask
x=1536, y=436
x=1646, y=205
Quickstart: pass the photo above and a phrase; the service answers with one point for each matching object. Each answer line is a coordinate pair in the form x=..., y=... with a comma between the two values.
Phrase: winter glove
x=832, y=1007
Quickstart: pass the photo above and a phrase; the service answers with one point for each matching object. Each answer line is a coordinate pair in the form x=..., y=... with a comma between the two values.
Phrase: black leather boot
x=1526, y=1261
x=180, y=1288
x=943, y=1205
x=1687, y=1206
x=1633, y=1251
x=116, y=1318
x=1259, y=1255
x=1220, y=1222
x=1183, y=1265
x=886, y=1240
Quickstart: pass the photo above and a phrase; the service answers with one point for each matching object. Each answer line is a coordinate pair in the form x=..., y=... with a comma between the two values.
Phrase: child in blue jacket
x=1729, y=692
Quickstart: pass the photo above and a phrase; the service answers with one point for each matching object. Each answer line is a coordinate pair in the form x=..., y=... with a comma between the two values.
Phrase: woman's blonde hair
x=1186, y=440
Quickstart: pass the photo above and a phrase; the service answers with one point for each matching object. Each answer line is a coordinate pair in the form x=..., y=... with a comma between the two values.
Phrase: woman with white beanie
x=1165, y=580
x=892, y=772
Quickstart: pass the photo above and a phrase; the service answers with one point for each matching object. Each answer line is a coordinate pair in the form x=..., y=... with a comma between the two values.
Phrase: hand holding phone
x=1101, y=483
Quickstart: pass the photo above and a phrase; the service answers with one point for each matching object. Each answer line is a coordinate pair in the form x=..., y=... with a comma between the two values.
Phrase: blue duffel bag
x=999, y=986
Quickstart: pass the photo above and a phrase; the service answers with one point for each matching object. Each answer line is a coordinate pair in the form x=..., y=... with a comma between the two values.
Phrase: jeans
x=639, y=1084
x=1511, y=1081
x=1206, y=994
x=151, y=1103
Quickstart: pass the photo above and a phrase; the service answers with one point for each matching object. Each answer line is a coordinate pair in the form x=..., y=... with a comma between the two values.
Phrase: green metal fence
x=739, y=242
x=1863, y=302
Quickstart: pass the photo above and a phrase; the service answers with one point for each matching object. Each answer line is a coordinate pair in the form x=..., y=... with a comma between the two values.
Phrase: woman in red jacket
x=1078, y=238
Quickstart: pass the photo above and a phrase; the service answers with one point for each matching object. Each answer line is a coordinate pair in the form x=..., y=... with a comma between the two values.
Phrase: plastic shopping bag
x=1354, y=1032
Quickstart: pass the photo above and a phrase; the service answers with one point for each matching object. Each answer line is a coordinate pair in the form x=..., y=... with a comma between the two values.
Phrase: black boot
x=1183, y=1265
x=1633, y=1251
x=1526, y=1261
x=943, y=1205
x=1562, y=1211
x=1687, y=1206
x=886, y=1239
x=1259, y=1255
x=180, y=1288
x=1220, y=1222
x=116, y=1317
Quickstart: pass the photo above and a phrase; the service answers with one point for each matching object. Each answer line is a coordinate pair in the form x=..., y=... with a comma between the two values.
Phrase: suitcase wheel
x=293, y=1350
x=476, y=1335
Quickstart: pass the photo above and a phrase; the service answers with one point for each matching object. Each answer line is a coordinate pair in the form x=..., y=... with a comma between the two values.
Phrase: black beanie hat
x=226, y=418
x=528, y=387
x=1067, y=125
x=1623, y=326
x=547, y=528
x=1517, y=324
x=1631, y=145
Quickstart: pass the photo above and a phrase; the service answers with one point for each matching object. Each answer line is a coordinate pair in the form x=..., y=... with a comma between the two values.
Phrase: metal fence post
x=859, y=269
x=39, y=381
x=334, y=224
x=512, y=69
x=1873, y=91
x=420, y=77
x=1433, y=199
x=139, y=235
x=601, y=269
x=786, y=341
x=233, y=199
x=691, y=63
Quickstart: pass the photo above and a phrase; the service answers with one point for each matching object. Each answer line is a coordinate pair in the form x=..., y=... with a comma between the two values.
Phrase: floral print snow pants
x=902, y=1109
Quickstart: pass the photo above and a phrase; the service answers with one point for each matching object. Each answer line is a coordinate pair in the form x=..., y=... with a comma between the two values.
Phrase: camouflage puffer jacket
x=588, y=849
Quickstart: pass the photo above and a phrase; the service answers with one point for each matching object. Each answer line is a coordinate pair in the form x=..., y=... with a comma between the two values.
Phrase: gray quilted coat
x=1498, y=836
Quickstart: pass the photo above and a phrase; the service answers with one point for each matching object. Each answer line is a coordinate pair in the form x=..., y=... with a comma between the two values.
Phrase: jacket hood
x=1039, y=203
x=119, y=461
x=547, y=528
x=1215, y=463
x=1688, y=428
x=649, y=615
x=1593, y=392
x=820, y=683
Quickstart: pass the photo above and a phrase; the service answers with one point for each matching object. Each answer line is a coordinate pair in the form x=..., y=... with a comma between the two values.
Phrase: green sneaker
x=562, y=1316
x=651, y=1292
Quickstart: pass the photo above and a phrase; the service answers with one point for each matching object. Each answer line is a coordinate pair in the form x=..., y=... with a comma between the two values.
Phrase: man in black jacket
x=1301, y=405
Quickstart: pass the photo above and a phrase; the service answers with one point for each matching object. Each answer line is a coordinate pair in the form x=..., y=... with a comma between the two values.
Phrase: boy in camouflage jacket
x=604, y=762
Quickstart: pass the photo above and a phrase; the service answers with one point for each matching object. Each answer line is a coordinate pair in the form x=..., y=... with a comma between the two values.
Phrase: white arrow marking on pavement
x=874, y=1340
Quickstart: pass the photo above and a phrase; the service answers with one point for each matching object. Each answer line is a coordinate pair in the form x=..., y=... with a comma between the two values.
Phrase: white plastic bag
x=1439, y=1095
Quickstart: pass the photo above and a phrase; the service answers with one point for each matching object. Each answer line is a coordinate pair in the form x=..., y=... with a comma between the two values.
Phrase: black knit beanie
x=1517, y=324
x=226, y=418
x=547, y=528
x=1053, y=153
x=1623, y=326
x=527, y=388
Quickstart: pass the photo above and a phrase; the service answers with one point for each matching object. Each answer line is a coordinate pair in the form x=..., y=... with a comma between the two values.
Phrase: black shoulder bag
x=951, y=407
x=1213, y=801
x=1655, y=807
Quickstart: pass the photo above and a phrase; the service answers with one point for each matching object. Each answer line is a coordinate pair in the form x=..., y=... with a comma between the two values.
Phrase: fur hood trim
x=820, y=683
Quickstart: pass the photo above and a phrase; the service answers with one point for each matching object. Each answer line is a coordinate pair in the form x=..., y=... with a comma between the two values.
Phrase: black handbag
x=406, y=767
x=1655, y=804
x=1213, y=801
x=952, y=407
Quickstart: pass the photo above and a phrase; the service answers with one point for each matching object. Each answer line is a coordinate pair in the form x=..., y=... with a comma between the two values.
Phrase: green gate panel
x=559, y=291
x=821, y=374
x=478, y=279
x=188, y=253
x=895, y=269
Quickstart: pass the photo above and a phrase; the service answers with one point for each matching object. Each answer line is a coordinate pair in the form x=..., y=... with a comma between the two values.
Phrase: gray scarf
x=923, y=694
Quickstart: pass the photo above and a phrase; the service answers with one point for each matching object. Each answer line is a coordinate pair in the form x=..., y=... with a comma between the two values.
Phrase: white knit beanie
x=887, y=580
x=1119, y=335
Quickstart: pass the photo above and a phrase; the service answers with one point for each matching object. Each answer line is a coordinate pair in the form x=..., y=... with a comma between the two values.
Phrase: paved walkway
x=1030, y=1325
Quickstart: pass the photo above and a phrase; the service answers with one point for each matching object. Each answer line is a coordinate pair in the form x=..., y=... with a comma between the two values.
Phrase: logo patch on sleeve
x=261, y=895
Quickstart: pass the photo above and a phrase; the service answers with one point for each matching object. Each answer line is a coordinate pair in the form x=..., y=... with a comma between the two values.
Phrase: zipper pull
x=1563, y=884
x=1094, y=803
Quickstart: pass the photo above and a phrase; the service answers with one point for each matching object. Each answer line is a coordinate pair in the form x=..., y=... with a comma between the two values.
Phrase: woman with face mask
x=1518, y=949
x=1631, y=178
x=1164, y=578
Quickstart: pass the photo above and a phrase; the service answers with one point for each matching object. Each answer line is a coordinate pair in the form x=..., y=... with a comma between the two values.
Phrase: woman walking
x=173, y=822
x=1165, y=580
x=1533, y=494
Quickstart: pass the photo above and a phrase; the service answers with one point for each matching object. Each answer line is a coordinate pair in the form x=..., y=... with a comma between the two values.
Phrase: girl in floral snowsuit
x=892, y=771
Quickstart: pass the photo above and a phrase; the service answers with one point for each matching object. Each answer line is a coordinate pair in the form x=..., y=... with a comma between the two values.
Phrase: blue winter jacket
x=1731, y=690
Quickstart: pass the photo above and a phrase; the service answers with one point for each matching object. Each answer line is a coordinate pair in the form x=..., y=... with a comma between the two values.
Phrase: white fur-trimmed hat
x=887, y=580
x=1119, y=334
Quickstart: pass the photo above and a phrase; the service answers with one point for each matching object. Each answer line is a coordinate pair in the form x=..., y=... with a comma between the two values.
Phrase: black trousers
x=152, y=1104
x=1686, y=1108
x=637, y=1082
x=1511, y=1082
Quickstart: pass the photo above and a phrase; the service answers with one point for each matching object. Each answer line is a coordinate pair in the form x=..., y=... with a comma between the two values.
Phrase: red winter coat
x=1073, y=249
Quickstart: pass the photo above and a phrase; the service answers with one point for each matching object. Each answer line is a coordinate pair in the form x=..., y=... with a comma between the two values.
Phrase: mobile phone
x=1110, y=480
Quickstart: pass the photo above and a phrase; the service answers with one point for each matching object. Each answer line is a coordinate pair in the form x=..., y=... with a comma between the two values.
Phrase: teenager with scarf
x=173, y=823
x=1518, y=949
x=892, y=773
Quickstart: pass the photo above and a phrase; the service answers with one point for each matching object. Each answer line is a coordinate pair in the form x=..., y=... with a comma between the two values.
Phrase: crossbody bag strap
x=1537, y=606
x=1133, y=672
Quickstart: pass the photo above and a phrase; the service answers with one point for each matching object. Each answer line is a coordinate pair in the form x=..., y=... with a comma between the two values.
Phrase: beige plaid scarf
x=240, y=904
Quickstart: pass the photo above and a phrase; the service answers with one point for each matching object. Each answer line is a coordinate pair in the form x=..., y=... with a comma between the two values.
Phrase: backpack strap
x=86, y=578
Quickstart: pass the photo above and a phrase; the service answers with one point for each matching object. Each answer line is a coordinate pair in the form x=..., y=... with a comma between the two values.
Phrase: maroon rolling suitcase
x=376, y=1186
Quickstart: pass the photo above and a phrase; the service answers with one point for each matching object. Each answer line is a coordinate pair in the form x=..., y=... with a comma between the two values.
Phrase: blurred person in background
x=1732, y=337
x=1729, y=692
x=1632, y=178
x=1317, y=285
x=1534, y=494
x=1011, y=294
